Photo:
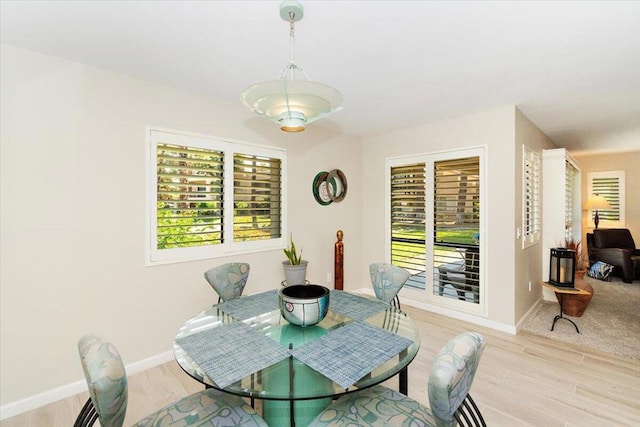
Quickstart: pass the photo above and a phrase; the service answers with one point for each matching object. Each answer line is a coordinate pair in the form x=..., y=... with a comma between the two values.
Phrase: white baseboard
x=41, y=399
x=527, y=314
x=509, y=329
x=481, y=321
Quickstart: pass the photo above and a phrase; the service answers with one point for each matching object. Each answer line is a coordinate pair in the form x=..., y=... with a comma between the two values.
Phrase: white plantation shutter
x=456, y=221
x=570, y=173
x=530, y=197
x=408, y=217
x=189, y=196
x=256, y=197
x=457, y=196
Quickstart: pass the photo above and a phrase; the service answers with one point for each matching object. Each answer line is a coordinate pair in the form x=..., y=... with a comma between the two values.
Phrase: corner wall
x=528, y=261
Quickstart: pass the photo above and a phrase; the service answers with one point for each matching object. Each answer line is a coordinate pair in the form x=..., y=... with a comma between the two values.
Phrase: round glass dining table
x=293, y=393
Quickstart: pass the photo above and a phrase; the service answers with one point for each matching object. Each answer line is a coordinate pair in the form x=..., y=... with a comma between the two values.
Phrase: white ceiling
x=572, y=67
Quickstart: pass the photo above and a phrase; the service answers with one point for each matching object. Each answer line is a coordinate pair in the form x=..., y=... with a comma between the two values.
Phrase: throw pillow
x=600, y=270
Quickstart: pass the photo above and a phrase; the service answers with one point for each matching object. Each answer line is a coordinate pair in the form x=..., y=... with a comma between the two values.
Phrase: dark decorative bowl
x=304, y=305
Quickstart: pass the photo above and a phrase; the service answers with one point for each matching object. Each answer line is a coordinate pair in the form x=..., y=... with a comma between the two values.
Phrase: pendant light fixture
x=290, y=101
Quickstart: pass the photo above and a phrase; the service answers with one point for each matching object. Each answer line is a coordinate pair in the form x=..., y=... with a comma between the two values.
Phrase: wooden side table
x=560, y=292
x=575, y=305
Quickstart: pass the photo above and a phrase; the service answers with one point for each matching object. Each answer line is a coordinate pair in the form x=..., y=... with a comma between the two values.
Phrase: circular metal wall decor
x=323, y=190
x=329, y=187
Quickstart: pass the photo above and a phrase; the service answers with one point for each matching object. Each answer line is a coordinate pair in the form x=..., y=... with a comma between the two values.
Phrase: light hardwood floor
x=522, y=380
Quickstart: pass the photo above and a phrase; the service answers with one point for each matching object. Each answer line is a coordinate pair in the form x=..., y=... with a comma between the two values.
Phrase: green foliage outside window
x=184, y=228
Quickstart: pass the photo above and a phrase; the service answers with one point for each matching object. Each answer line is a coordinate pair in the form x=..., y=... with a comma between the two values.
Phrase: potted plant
x=295, y=268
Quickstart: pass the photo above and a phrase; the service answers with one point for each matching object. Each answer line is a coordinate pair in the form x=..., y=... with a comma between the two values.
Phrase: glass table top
x=265, y=357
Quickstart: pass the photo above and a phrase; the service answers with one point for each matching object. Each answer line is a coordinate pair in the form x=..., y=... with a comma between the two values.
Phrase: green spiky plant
x=292, y=253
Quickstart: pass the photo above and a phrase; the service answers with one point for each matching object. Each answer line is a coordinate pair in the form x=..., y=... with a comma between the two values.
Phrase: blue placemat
x=351, y=352
x=244, y=308
x=230, y=352
x=354, y=306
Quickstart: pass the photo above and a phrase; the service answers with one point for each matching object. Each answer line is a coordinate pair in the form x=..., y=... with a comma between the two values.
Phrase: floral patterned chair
x=387, y=280
x=450, y=379
x=107, y=381
x=228, y=280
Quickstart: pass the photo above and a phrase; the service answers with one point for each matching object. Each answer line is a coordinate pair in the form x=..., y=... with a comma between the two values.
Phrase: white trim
x=465, y=317
x=528, y=313
x=46, y=397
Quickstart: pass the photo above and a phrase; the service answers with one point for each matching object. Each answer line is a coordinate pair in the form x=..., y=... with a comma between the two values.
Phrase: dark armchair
x=615, y=246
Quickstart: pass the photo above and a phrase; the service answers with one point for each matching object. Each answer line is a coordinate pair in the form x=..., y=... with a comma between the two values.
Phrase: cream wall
x=629, y=162
x=493, y=130
x=73, y=215
x=528, y=261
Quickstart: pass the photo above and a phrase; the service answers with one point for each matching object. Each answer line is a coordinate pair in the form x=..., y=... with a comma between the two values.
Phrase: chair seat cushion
x=375, y=406
x=207, y=408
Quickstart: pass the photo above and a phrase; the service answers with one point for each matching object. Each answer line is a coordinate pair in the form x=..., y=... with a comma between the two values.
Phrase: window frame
x=426, y=294
x=604, y=222
x=155, y=256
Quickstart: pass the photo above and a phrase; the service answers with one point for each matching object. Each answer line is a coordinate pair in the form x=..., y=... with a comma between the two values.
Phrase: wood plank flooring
x=523, y=380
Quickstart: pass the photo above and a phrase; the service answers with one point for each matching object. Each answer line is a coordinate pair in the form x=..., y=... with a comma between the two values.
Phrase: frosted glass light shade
x=292, y=103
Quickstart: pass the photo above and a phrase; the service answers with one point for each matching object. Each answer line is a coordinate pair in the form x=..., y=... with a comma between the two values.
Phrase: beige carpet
x=611, y=322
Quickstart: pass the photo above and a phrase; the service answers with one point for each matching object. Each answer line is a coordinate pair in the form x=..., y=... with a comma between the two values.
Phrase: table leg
x=560, y=316
x=288, y=377
x=292, y=414
x=404, y=382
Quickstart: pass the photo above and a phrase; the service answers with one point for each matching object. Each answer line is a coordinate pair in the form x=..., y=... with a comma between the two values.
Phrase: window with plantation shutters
x=531, y=215
x=210, y=197
x=408, y=219
x=611, y=186
x=435, y=216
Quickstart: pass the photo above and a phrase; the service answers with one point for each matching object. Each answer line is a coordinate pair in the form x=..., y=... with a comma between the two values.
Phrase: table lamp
x=596, y=202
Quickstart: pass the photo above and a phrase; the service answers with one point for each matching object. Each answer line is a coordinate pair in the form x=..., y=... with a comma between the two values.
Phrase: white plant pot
x=295, y=274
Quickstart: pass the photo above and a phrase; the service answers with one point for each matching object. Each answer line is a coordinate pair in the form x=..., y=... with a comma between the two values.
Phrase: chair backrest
x=452, y=373
x=106, y=378
x=613, y=238
x=228, y=280
x=387, y=280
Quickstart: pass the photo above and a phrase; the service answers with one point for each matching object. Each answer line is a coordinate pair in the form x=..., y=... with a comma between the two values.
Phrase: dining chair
x=228, y=280
x=387, y=280
x=108, y=393
x=450, y=379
